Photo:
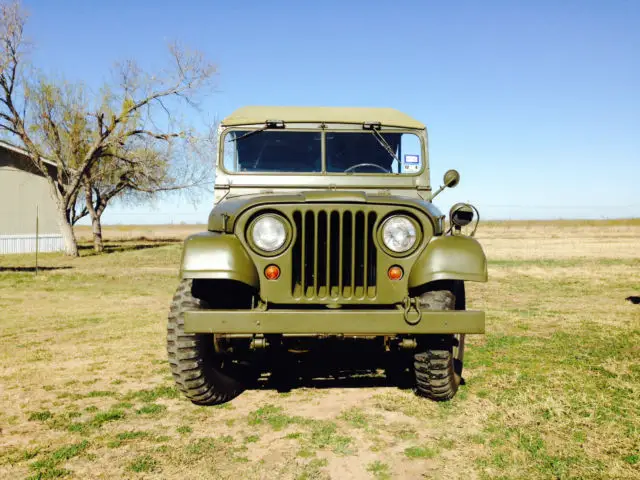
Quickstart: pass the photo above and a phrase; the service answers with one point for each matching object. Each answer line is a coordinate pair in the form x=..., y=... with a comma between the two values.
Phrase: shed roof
x=255, y=114
x=8, y=146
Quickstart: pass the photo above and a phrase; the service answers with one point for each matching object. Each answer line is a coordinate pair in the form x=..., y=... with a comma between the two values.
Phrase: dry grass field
x=551, y=391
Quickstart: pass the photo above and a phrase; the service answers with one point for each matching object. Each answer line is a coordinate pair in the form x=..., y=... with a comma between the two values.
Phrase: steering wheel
x=367, y=165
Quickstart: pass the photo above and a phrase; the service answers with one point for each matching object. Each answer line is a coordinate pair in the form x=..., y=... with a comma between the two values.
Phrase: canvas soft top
x=257, y=115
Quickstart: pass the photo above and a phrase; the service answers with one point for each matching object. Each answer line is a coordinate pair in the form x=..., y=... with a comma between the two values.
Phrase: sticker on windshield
x=412, y=159
x=411, y=168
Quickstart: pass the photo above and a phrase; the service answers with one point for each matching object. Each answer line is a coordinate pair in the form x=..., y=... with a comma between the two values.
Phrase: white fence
x=27, y=243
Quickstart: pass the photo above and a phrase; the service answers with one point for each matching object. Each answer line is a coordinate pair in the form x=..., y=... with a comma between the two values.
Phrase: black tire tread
x=190, y=355
x=434, y=367
x=436, y=378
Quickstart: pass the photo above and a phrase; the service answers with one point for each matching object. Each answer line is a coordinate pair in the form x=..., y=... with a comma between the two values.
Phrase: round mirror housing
x=451, y=178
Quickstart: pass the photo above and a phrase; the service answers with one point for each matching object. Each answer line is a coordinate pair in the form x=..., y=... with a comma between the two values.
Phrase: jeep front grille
x=334, y=255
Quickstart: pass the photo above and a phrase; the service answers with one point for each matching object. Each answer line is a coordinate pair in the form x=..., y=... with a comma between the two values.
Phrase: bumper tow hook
x=409, y=305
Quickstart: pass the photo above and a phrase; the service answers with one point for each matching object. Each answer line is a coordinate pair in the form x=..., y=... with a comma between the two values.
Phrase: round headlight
x=399, y=234
x=268, y=233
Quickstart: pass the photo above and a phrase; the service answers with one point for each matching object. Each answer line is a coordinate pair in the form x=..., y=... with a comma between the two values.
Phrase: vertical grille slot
x=371, y=255
x=296, y=257
x=359, y=252
x=309, y=265
x=322, y=263
x=347, y=252
x=334, y=255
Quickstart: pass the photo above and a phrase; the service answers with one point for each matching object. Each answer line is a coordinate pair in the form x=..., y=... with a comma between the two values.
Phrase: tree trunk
x=96, y=228
x=96, y=225
x=66, y=229
x=68, y=235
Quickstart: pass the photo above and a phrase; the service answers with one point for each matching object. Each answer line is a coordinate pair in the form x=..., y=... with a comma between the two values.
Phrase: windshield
x=282, y=151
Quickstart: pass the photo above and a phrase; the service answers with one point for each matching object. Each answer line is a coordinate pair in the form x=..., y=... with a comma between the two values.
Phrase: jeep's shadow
x=284, y=380
x=333, y=371
x=634, y=299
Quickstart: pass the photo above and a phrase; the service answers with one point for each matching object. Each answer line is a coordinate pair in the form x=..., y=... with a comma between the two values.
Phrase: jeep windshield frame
x=246, y=183
x=325, y=167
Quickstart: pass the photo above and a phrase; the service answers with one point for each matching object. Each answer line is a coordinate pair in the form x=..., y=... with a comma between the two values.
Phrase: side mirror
x=451, y=179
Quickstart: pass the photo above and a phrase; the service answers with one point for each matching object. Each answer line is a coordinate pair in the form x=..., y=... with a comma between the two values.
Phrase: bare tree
x=141, y=170
x=56, y=120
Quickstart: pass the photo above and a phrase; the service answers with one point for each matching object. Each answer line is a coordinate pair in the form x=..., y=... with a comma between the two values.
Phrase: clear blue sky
x=537, y=104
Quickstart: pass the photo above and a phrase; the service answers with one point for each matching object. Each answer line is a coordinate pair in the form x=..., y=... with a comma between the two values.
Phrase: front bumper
x=346, y=322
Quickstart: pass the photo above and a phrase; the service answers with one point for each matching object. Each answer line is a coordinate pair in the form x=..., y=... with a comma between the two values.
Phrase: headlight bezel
x=461, y=214
x=287, y=232
x=416, y=226
x=458, y=221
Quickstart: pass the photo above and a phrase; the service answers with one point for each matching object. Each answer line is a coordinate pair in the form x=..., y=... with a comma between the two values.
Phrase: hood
x=224, y=215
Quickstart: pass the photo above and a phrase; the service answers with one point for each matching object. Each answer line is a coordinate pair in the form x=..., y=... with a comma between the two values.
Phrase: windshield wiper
x=384, y=144
x=268, y=124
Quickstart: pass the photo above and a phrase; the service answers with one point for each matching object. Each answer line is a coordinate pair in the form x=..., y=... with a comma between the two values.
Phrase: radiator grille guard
x=334, y=255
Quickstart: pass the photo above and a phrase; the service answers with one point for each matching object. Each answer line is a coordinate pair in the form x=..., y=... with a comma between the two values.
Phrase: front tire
x=200, y=374
x=438, y=361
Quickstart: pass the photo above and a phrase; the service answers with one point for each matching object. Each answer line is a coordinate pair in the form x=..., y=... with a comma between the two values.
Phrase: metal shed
x=23, y=190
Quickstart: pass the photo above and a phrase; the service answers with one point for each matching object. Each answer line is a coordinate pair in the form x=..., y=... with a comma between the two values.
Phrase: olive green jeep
x=323, y=238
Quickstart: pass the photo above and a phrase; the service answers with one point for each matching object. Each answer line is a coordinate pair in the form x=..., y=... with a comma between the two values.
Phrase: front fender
x=217, y=256
x=450, y=258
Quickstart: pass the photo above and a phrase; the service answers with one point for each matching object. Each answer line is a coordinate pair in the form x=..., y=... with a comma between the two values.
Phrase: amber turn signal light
x=395, y=272
x=272, y=272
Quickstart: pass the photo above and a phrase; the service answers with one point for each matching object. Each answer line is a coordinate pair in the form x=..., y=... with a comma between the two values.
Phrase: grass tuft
x=379, y=470
x=100, y=393
x=420, y=452
x=325, y=435
x=105, y=417
x=132, y=435
x=151, y=409
x=40, y=416
x=271, y=415
x=355, y=417
x=313, y=469
x=201, y=446
x=143, y=464
x=48, y=466
x=151, y=395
